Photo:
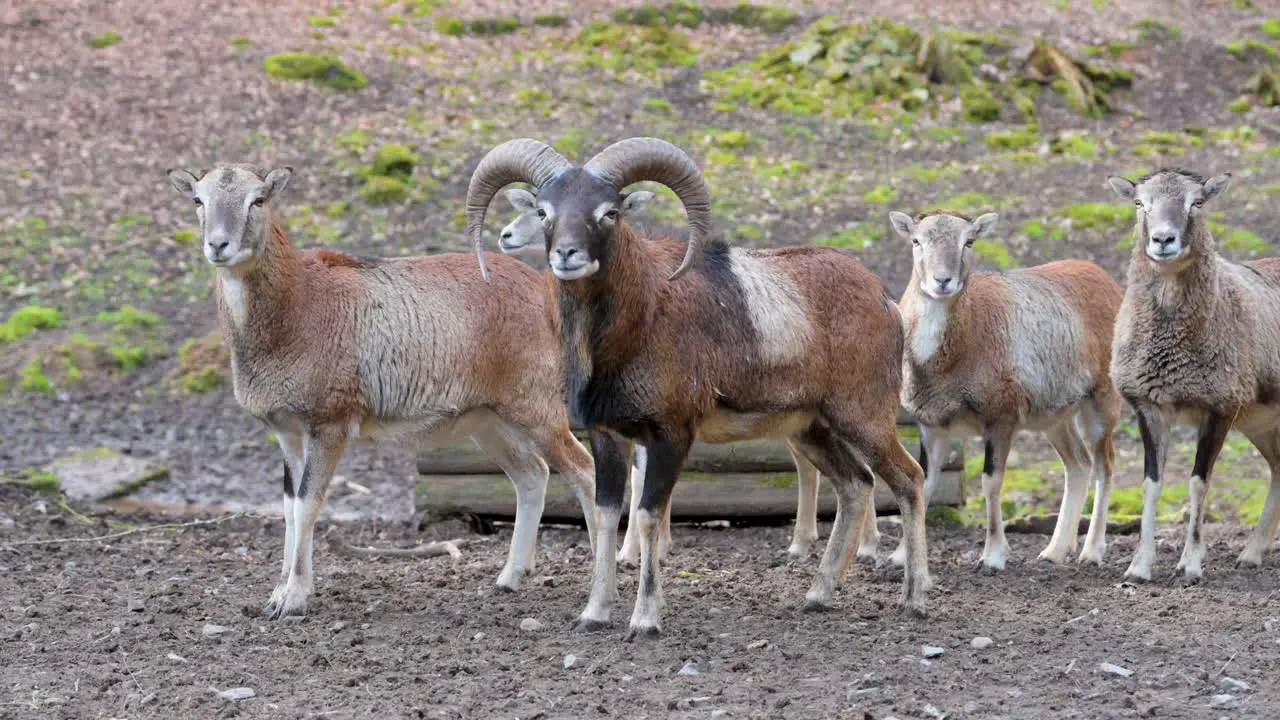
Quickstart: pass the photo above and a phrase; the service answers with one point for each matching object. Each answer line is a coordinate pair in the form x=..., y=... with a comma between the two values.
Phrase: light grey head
x=233, y=208
x=942, y=248
x=1169, y=203
x=526, y=235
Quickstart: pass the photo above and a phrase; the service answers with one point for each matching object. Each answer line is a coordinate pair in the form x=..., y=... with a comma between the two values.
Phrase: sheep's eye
x=198, y=202
x=915, y=242
x=542, y=214
x=1137, y=204
x=259, y=202
x=611, y=215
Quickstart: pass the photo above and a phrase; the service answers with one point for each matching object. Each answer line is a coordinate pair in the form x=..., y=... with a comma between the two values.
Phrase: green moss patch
x=1019, y=139
x=395, y=161
x=856, y=237
x=688, y=14
x=29, y=319
x=105, y=40
x=619, y=47
x=203, y=365
x=378, y=190
x=550, y=20
x=324, y=70
x=1084, y=85
x=881, y=195
x=447, y=25
x=495, y=26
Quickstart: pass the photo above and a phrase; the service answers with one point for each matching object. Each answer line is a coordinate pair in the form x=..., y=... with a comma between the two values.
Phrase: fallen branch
x=1045, y=525
x=429, y=550
x=126, y=533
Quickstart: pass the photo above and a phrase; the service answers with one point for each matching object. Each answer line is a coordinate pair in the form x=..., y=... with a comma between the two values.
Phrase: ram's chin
x=577, y=273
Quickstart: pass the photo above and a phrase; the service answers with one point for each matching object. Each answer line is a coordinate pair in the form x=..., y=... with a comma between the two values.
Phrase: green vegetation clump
x=1097, y=215
x=979, y=104
x=657, y=105
x=943, y=516
x=447, y=25
x=378, y=190
x=993, y=252
x=1084, y=85
x=1271, y=26
x=128, y=317
x=1241, y=104
x=844, y=69
x=1157, y=31
x=550, y=20
x=323, y=70
x=394, y=161
x=765, y=17
x=202, y=364
x=1237, y=239
x=729, y=139
x=1019, y=139
x=185, y=236
x=495, y=26
x=858, y=237
x=1075, y=145
x=620, y=47
x=1252, y=51
x=322, y=21
x=1265, y=85
x=681, y=12
x=33, y=378
x=881, y=195
x=240, y=42
x=28, y=319
x=105, y=40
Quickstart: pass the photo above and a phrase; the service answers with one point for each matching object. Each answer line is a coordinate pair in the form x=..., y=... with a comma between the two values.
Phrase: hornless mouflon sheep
x=993, y=353
x=327, y=349
x=799, y=343
x=1197, y=341
x=524, y=236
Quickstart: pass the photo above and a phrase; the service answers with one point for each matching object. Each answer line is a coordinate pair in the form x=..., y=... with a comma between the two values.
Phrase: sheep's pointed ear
x=1216, y=185
x=1123, y=187
x=982, y=226
x=184, y=182
x=276, y=181
x=522, y=200
x=635, y=202
x=902, y=224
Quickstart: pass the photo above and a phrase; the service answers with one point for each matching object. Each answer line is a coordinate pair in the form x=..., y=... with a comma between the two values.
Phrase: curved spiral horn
x=645, y=158
x=521, y=160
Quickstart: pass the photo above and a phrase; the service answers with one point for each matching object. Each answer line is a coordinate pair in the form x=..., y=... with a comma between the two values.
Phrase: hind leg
x=629, y=554
x=517, y=455
x=935, y=444
x=1264, y=533
x=1213, y=433
x=806, y=530
x=889, y=460
x=568, y=457
x=1098, y=421
x=1066, y=440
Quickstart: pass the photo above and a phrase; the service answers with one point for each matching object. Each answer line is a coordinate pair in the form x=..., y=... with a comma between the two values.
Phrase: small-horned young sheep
x=800, y=343
x=327, y=349
x=1197, y=341
x=524, y=237
x=992, y=353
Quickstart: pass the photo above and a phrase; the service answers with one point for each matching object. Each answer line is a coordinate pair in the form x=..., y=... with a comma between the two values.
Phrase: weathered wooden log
x=697, y=497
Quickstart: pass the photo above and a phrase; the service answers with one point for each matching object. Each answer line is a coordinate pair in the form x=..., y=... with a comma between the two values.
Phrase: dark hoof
x=913, y=612
x=1187, y=581
x=583, y=626
x=984, y=569
x=641, y=633
x=501, y=590
x=815, y=606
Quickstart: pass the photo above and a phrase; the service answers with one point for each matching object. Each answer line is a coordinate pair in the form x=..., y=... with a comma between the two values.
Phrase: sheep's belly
x=723, y=426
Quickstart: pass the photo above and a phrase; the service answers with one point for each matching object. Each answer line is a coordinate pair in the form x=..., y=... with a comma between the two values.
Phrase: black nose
x=942, y=281
x=566, y=253
x=1163, y=239
x=507, y=234
x=218, y=247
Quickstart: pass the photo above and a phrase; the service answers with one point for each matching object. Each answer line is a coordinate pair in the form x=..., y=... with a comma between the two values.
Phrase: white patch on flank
x=1048, y=344
x=777, y=308
x=926, y=335
x=233, y=296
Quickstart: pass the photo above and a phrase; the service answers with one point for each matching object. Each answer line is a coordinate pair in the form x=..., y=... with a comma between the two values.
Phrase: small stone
x=716, y=714
x=570, y=660
x=211, y=630
x=934, y=712
x=981, y=643
x=530, y=625
x=137, y=606
x=1269, y=626
x=1233, y=685
x=237, y=693
x=690, y=668
x=143, y=571
x=1115, y=670
x=478, y=636
x=932, y=651
x=337, y=626
x=176, y=657
x=970, y=707
x=758, y=644
x=1222, y=701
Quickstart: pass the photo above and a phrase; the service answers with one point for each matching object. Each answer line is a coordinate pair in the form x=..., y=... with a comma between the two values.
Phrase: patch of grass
x=33, y=378
x=571, y=143
x=1075, y=145
x=202, y=364
x=1241, y=104
x=932, y=173
x=240, y=42
x=1157, y=31
x=881, y=195
x=969, y=203
x=447, y=25
x=28, y=319
x=322, y=21
x=658, y=105
x=354, y=141
x=1271, y=26
x=858, y=236
x=395, y=21
x=749, y=232
x=495, y=26
x=1252, y=51
x=550, y=20
x=945, y=517
x=1019, y=139
x=337, y=209
x=394, y=161
x=324, y=70
x=105, y=40
x=619, y=47
x=1265, y=86
x=185, y=236
x=1097, y=215
x=37, y=480
x=979, y=104
x=1237, y=239
x=379, y=190
x=531, y=97
x=728, y=139
x=993, y=252
x=768, y=18
x=680, y=12
x=128, y=317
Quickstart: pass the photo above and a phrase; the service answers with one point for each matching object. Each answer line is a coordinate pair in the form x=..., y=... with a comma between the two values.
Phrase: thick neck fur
x=936, y=330
x=254, y=303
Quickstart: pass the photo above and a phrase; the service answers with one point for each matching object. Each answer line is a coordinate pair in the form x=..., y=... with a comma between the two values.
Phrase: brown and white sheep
x=993, y=353
x=800, y=343
x=1197, y=341
x=327, y=349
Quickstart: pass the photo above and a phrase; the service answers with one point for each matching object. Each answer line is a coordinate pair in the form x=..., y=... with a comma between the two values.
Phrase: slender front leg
x=806, y=530
x=1155, y=439
x=1213, y=433
x=935, y=445
x=291, y=448
x=610, y=457
x=322, y=450
x=1264, y=533
x=667, y=454
x=629, y=555
x=995, y=552
x=864, y=524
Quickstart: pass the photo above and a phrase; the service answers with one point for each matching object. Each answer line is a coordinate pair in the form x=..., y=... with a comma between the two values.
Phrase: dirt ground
x=121, y=628
x=90, y=121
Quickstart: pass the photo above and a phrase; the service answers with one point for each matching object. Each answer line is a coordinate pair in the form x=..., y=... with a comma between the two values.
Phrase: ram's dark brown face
x=582, y=215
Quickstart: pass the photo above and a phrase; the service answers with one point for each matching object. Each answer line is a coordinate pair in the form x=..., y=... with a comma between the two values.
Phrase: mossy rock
x=768, y=18
x=324, y=70
x=944, y=517
x=394, y=161
x=381, y=190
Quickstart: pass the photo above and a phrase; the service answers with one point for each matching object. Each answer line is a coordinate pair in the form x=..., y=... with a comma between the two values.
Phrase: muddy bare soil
x=424, y=638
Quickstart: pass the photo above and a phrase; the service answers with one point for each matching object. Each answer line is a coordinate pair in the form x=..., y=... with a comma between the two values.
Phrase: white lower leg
x=806, y=529
x=996, y=549
x=1095, y=542
x=630, y=552
x=1194, y=548
x=1264, y=533
x=869, y=534
x=848, y=510
x=937, y=445
x=531, y=491
x=1145, y=555
x=1066, y=531
x=604, y=578
x=646, y=619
